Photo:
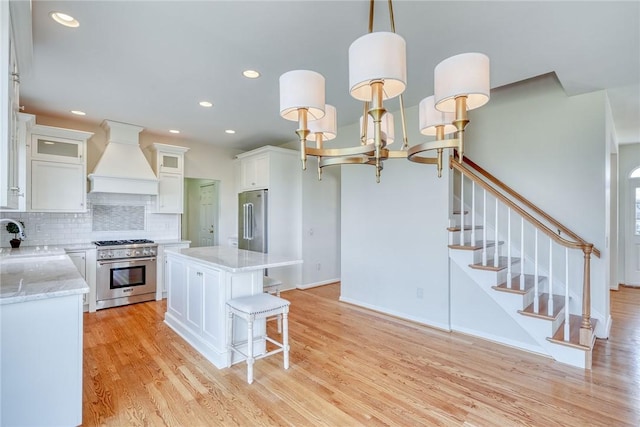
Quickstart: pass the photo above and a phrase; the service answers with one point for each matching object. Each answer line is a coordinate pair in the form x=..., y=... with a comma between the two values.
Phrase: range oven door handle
x=127, y=260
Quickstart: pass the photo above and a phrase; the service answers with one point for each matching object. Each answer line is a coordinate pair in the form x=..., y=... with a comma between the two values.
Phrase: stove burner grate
x=121, y=242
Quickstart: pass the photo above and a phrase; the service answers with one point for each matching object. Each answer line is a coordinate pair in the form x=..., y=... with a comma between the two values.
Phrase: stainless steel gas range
x=126, y=272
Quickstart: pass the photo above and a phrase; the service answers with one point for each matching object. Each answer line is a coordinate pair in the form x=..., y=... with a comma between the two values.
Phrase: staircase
x=530, y=265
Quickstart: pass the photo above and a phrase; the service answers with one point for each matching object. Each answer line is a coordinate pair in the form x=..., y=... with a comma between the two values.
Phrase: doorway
x=632, y=230
x=201, y=213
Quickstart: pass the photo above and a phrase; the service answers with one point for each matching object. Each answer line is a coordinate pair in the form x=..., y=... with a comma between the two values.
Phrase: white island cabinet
x=200, y=281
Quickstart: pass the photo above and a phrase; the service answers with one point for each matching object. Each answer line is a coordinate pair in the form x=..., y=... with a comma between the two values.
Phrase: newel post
x=585, y=326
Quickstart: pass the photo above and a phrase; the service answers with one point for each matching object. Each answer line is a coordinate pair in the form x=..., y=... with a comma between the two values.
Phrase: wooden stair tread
x=558, y=305
x=529, y=280
x=574, y=330
x=466, y=227
x=502, y=264
x=469, y=247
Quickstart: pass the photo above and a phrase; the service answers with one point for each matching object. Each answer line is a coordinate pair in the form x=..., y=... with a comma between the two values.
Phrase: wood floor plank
x=352, y=366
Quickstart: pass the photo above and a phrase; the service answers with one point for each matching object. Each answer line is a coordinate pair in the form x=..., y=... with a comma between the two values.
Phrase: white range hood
x=123, y=168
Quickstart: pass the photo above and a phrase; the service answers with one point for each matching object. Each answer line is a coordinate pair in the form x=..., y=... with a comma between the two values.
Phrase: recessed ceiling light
x=251, y=74
x=174, y=131
x=64, y=19
x=78, y=113
x=230, y=131
x=206, y=104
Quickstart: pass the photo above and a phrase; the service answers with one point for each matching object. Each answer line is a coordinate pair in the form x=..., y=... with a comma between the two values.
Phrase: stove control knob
x=128, y=253
x=137, y=252
x=152, y=252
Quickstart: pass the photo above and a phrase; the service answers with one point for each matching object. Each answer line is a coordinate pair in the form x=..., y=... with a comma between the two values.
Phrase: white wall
x=320, y=225
x=611, y=198
x=394, y=238
x=551, y=149
x=628, y=160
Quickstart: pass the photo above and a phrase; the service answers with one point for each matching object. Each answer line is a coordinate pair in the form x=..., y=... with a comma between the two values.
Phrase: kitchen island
x=41, y=337
x=199, y=283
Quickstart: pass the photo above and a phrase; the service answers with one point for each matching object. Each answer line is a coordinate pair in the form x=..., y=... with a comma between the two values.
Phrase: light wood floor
x=349, y=367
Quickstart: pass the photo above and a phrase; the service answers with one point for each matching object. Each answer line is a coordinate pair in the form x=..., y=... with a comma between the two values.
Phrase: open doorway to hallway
x=632, y=230
x=201, y=213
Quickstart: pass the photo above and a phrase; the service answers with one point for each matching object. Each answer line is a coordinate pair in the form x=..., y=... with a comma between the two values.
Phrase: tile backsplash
x=109, y=216
x=117, y=217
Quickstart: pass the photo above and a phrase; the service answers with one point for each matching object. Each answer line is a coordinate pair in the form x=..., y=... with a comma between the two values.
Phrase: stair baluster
x=550, y=305
x=484, y=229
x=462, y=209
x=473, y=213
x=567, y=330
x=522, y=253
x=508, y=247
x=536, y=299
x=496, y=257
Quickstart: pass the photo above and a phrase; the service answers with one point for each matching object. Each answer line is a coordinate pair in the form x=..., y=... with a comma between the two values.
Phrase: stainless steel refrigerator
x=252, y=220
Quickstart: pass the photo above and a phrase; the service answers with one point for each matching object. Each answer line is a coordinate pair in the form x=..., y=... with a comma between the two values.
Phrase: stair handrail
x=527, y=203
x=586, y=333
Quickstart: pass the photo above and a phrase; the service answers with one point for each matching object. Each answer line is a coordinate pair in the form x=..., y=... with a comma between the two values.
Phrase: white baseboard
x=316, y=284
x=398, y=314
x=500, y=340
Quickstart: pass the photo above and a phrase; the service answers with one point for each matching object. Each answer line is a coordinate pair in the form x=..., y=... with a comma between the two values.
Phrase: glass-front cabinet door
x=57, y=149
x=171, y=162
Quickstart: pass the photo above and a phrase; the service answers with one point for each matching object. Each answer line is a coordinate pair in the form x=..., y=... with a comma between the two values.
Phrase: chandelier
x=378, y=72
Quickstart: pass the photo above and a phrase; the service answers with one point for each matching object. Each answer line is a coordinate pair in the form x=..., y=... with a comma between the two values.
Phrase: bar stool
x=251, y=308
x=272, y=286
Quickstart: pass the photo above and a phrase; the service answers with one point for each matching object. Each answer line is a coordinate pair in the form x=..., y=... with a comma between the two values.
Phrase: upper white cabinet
x=168, y=164
x=254, y=171
x=57, y=170
x=13, y=60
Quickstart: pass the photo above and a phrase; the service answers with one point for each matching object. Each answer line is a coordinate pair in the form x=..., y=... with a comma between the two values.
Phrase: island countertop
x=233, y=259
x=32, y=275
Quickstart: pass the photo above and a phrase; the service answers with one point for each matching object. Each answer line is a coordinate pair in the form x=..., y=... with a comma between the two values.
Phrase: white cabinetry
x=85, y=262
x=254, y=171
x=57, y=170
x=168, y=161
x=41, y=364
x=9, y=107
x=161, y=289
x=79, y=259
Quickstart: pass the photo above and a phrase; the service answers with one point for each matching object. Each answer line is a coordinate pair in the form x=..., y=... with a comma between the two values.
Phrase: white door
x=632, y=238
x=207, y=215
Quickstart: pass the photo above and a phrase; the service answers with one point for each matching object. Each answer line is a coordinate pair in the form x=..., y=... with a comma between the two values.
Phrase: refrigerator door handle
x=244, y=221
x=249, y=221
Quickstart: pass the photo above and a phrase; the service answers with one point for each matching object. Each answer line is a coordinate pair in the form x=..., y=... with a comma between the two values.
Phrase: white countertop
x=31, y=274
x=233, y=259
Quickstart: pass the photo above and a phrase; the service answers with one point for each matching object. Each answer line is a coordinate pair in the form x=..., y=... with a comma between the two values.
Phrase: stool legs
x=250, y=358
x=251, y=308
x=279, y=316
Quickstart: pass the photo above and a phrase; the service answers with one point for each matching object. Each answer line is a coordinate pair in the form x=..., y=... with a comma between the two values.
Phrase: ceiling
x=149, y=63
